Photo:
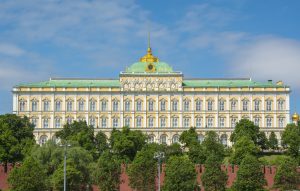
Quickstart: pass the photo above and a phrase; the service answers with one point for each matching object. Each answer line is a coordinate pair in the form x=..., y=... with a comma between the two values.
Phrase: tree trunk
x=5, y=166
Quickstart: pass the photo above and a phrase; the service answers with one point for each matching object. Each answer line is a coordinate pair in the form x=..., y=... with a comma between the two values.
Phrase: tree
x=249, y=175
x=29, y=176
x=291, y=139
x=142, y=171
x=246, y=128
x=16, y=138
x=196, y=154
x=101, y=142
x=180, y=174
x=189, y=137
x=273, y=142
x=287, y=177
x=172, y=150
x=243, y=147
x=212, y=145
x=107, y=171
x=79, y=132
x=262, y=141
x=213, y=178
x=75, y=179
x=126, y=143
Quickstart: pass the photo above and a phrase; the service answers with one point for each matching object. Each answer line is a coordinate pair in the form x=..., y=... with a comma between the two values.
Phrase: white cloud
x=268, y=58
x=10, y=50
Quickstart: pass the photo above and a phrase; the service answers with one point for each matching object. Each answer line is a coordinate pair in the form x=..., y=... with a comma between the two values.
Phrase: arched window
x=150, y=105
x=81, y=105
x=200, y=138
x=186, y=105
x=162, y=122
x=45, y=123
x=233, y=105
x=34, y=105
x=103, y=105
x=57, y=105
x=174, y=121
x=174, y=105
x=162, y=105
x=93, y=122
x=280, y=105
x=127, y=105
x=269, y=121
x=175, y=139
x=269, y=105
x=92, y=105
x=222, y=121
x=103, y=122
x=245, y=105
x=221, y=105
x=151, y=138
x=198, y=105
x=198, y=122
x=209, y=105
x=139, y=105
x=186, y=122
x=46, y=105
x=210, y=122
x=163, y=139
x=224, y=139
x=43, y=139
x=281, y=121
x=69, y=105
x=22, y=105
x=127, y=121
x=256, y=105
x=115, y=105
x=115, y=122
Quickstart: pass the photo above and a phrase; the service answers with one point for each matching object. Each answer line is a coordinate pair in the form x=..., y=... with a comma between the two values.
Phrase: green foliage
x=142, y=171
x=29, y=176
x=196, y=154
x=126, y=143
x=189, y=137
x=172, y=150
x=246, y=128
x=213, y=178
x=273, y=142
x=262, y=141
x=291, y=139
x=101, y=142
x=107, y=171
x=243, y=147
x=272, y=160
x=16, y=138
x=180, y=174
x=212, y=145
x=75, y=179
x=287, y=177
x=249, y=175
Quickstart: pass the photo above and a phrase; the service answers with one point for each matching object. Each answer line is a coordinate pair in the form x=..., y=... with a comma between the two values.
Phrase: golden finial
x=295, y=117
x=149, y=57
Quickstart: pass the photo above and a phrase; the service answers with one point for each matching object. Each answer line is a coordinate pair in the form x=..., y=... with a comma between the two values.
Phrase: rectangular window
x=233, y=122
x=57, y=122
x=92, y=106
x=198, y=105
x=150, y=105
x=127, y=105
x=34, y=121
x=198, y=122
x=115, y=122
x=46, y=123
x=34, y=106
x=256, y=121
x=57, y=106
x=103, y=106
x=281, y=122
x=69, y=120
x=209, y=122
x=138, y=122
x=269, y=105
x=221, y=105
x=222, y=122
x=269, y=122
x=162, y=122
x=233, y=105
x=209, y=105
x=115, y=105
x=256, y=105
x=174, y=105
x=46, y=105
x=93, y=122
x=69, y=106
x=138, y=106
x=280, y=105
x=150, y=122
x=22, y=105
x=81, y=106
x=127, y=121
x=174, y=122
x=186, y=122
x=245, y=105
x=103, y=122
x=186, y=105
x=163, y=105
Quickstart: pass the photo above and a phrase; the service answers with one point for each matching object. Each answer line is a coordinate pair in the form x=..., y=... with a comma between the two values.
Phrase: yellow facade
x=151, y=97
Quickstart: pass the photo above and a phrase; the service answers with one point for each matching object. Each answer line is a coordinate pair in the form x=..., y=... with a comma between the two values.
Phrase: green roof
x=140, y=67
x=77, y=83
x=74, y=83
x=227, y=83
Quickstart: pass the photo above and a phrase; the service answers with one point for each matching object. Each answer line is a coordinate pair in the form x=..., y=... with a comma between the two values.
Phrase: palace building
x=150, y=96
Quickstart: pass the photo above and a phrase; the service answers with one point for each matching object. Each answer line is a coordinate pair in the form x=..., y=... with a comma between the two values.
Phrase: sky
x=100, y=38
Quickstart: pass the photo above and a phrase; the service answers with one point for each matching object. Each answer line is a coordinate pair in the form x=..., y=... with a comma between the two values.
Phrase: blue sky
x=86, y=38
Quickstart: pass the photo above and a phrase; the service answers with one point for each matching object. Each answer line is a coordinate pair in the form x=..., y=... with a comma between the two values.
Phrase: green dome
x=141, y=67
